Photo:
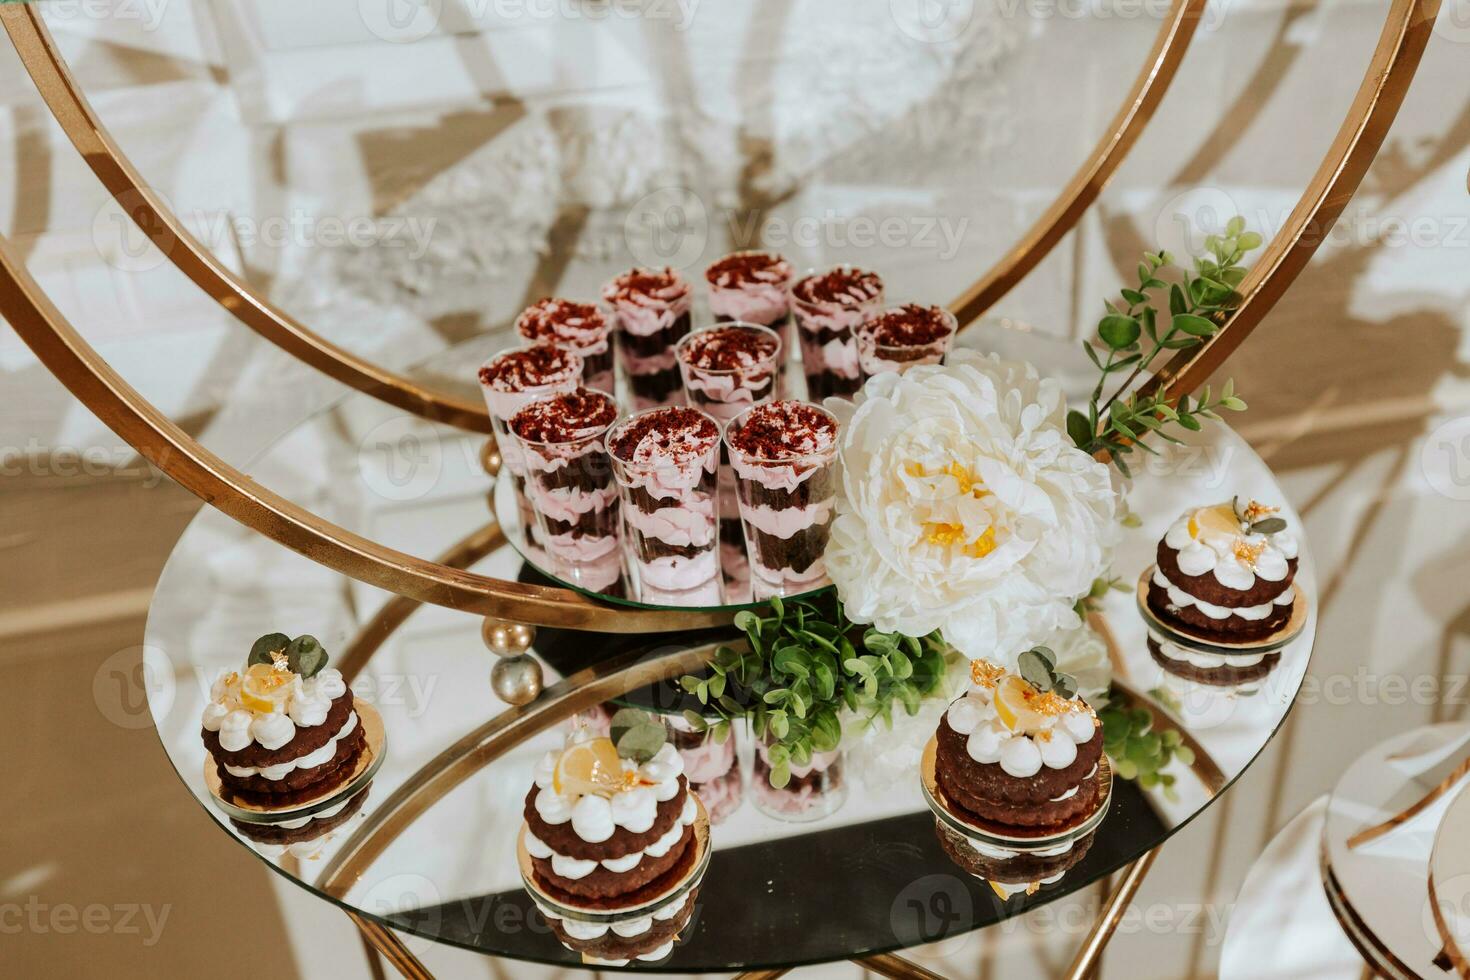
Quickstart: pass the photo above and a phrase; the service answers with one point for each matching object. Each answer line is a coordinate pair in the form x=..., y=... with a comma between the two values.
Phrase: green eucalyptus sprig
x=1138, y=751
x=1131, y=340
x=1038, y=667
x=304, y=655
x=1264, y=525
x=637, y=734
x=805, y=666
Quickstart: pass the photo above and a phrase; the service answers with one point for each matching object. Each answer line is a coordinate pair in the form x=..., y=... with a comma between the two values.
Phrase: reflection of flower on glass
x=964, y=507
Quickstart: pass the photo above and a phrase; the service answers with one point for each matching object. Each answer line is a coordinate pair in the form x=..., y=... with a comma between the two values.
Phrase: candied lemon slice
x=1013, y=705
x=591, y=767
x=263, y=687
x=1219, y=519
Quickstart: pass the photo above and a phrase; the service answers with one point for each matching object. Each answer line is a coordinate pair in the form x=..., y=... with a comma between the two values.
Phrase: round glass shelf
x=442, y=866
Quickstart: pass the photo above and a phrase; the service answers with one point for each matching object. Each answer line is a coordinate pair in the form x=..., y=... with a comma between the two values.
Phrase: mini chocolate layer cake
x=299, y=784
x=578, y=327
x=314, y=828
x=652, y=310
x=611, y=946
x=782, y=454
x=562, y=839
x=1225, y=572
x=827, y=306
x=751, y=286
x=1020, y=868
x=1222, y=672
x=987, y=791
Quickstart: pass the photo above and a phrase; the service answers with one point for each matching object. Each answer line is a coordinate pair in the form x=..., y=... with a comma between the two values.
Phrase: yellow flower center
x=949, y=535
x=969, y=482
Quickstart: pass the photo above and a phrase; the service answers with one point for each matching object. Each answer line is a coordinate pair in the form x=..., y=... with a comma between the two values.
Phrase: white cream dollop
x=1214, y=550
x=592, y=818
x=1020, y=754
x=1020, y=757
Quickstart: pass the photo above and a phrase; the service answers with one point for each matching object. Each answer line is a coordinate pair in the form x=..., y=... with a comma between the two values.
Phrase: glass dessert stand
x=430, y=853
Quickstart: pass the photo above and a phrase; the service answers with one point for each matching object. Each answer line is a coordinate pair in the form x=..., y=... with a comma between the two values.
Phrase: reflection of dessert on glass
x=826, y=307
x=1225, y=573
x=302, y=837
x=784, y=458
x=1236, y=671
x=1011, y=754
x=665, y=461
x=610, y=828
x=710, y=765
x=284, y=732
x=752, y=287
x=645, y=938
x=815, y=789
x=577, y=327
x=728, y=368
x=511, y=381
x=902, y=337
x=569, y=478
x=1010, y=872
x=651, y=307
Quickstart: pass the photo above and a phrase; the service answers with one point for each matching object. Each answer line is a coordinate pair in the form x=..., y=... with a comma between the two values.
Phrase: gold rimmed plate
x=1008, y=837
x=1184, y=636
x=686, y=882
x=368, y=764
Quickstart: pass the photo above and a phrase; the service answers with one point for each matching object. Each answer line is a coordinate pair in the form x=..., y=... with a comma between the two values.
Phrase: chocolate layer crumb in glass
x=902, y=337
x=751, y=287
x=665, y=462
x=569, y=477
x=580, y=328
x=783, y=455
x=511, y=381
x=730, y=367
x=814, y=790
x=651, y=308
x=827, y=306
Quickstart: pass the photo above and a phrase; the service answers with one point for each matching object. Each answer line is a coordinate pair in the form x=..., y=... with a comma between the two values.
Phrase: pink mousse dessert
x=580, y=328
x=730, y=367
x=784, y=457
x=906, y=336
x=752, y=287
x=665, y=462
x=815, y=790
x=511, y=381
x=651, y=308
x=569, y=480
x=827, y=306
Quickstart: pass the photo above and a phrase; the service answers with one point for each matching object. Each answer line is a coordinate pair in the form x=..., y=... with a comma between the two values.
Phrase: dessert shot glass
x=826, y=307
x=665, y=462
x=728, y=367
x=752, y=287
x=902, y=337
x=651, y=308
x=580, y=328
x=512, y=380
x=570, y=484
x=784, y=457
x=816, y=788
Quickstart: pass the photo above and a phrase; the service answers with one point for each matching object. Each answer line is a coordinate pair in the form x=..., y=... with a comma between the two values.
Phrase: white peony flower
x=964, y=507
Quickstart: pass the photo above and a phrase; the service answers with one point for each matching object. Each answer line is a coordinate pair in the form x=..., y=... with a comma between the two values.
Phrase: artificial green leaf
x=1195, y=326
x=1119, y=332
x=1269, y=525
x=261, y=649
x=1078, y=429
x=305, y=655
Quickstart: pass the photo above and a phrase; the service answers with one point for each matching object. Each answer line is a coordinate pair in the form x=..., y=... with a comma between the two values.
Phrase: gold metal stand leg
x=1090, y=954
x=387, y=943
x=895, y=967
